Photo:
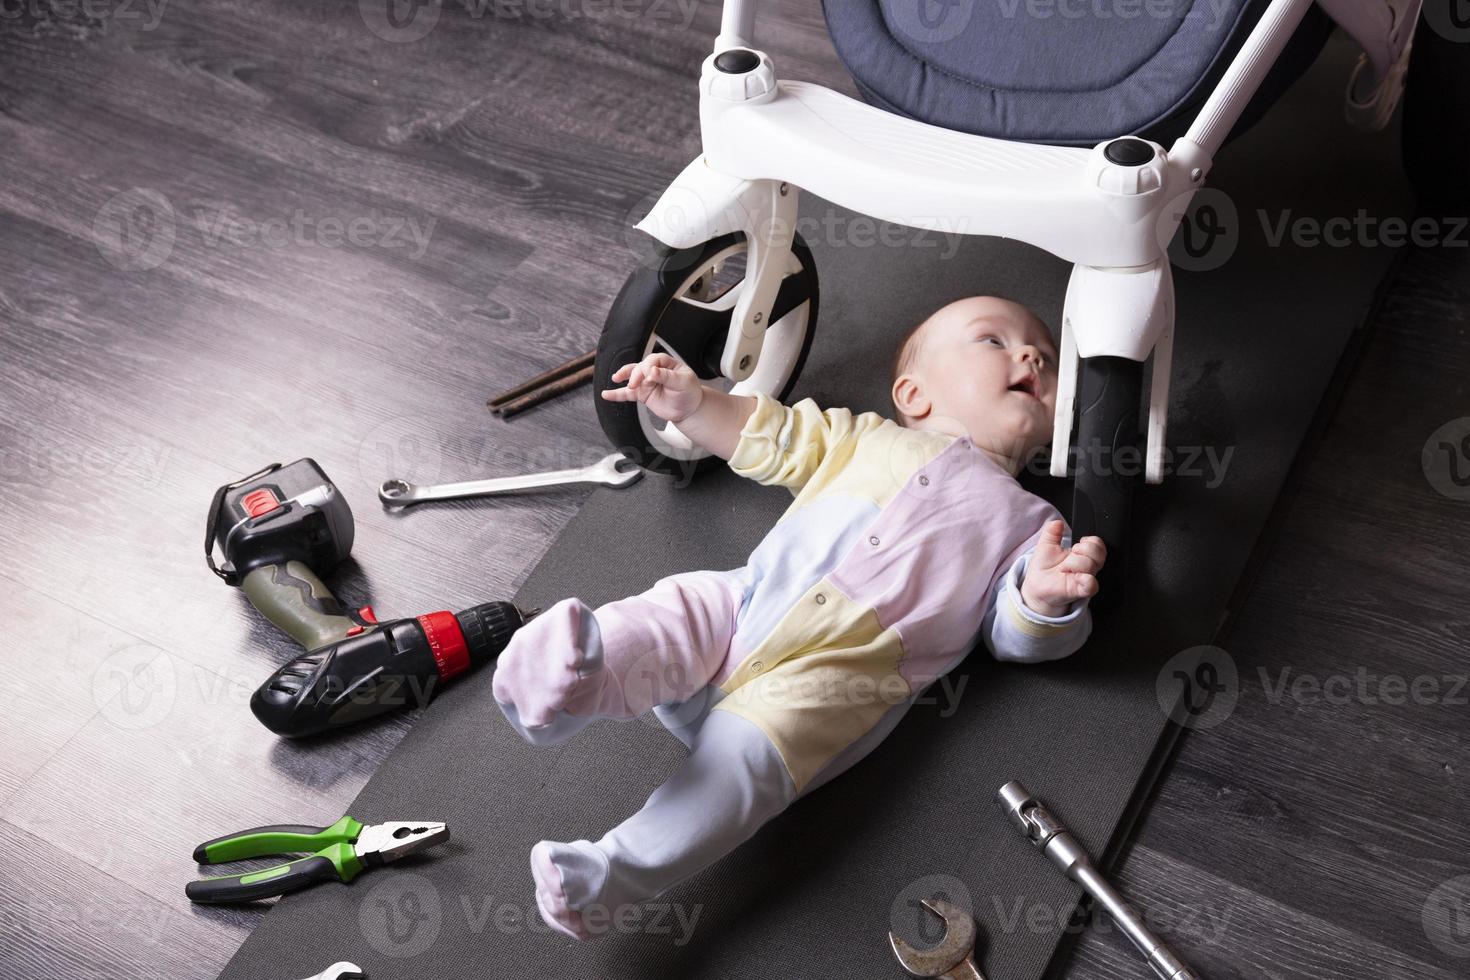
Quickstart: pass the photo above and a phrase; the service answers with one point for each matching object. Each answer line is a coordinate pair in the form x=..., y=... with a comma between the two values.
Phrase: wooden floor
x=250, y=232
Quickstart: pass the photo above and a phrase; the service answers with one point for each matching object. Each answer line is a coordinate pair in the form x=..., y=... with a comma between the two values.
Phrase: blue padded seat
x=1055, y=71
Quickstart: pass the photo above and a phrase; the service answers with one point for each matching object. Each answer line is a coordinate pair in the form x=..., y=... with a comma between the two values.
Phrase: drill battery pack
x=279, y=514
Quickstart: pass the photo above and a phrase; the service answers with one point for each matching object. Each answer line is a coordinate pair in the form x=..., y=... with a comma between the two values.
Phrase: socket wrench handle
x=1051, y=836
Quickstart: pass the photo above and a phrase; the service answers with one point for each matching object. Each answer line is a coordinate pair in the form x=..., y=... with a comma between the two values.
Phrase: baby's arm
x=672, y=391
x=1044, y=615
x=763, y=440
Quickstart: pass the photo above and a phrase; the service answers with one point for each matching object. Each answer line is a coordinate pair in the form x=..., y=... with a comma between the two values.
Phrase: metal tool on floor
x=1037, y=825
x=341, y=852
x=606, y=471
x=557, y=381
x=340, y=971
x=954, y=956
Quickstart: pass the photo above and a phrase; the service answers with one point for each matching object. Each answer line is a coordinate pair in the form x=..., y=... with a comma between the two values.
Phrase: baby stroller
x=1085, y=136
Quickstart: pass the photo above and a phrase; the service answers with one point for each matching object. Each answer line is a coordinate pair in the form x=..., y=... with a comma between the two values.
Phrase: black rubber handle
x=257, y=842
x=255, y=885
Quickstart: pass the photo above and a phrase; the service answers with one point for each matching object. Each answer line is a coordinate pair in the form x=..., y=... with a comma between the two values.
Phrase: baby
x=907, y=543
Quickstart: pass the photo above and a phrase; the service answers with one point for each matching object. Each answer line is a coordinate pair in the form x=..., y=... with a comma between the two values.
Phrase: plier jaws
x=380, y=843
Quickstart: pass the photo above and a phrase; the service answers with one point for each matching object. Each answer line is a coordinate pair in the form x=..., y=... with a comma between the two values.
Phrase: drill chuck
x=393, y=665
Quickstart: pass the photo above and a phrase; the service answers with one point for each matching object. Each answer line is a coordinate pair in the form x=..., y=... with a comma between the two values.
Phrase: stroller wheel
x=1109, y=462
x=680, y=304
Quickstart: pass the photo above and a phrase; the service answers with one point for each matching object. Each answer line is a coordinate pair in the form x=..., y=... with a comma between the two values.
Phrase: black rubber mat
x=815, y=893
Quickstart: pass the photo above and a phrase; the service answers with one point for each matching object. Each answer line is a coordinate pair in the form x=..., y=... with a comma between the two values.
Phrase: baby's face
x=987, y=368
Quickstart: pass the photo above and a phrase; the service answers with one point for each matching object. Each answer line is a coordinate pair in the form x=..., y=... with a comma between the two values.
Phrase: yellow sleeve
x=784, y=445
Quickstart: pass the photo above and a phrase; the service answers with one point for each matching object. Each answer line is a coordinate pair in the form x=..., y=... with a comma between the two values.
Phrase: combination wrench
x=401, y=493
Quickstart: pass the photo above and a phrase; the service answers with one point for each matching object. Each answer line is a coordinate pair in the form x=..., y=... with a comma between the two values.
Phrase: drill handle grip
x=295, y=600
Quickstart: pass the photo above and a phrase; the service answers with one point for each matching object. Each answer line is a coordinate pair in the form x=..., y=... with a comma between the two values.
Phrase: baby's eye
x=992, y=338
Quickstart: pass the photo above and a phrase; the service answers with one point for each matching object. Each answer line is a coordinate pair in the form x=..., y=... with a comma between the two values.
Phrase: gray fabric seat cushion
x=1069, y=72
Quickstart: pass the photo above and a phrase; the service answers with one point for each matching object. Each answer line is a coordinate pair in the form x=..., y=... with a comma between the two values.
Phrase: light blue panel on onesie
x=798, y=551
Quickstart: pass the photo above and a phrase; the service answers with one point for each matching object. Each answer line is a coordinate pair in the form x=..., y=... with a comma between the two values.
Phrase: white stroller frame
x=764, y=138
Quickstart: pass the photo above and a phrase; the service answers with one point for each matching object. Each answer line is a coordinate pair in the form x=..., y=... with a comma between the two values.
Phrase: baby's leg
x=572, y=664
x=732, y=782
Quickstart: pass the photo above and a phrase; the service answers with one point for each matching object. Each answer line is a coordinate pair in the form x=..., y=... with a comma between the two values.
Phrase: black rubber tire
x=1436, y=131
x=1109, y=457
x=634, y=318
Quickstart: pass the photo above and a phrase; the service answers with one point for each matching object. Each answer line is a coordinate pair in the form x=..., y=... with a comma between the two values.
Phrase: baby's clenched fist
x=669, y=388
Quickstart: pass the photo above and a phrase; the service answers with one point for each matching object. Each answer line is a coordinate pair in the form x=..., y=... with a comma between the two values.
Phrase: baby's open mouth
x=1029, y=385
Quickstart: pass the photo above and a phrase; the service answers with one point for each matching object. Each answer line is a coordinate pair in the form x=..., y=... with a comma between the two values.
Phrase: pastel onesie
x=902, y=549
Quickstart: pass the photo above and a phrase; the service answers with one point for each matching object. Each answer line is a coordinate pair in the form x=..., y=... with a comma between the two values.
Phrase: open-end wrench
x=401, y=493
x=1049, y=834
x=340, y=971
x=954, y=957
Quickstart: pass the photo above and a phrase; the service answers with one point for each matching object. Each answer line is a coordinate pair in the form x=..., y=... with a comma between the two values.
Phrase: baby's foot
x=567, y=875
x=549, y=676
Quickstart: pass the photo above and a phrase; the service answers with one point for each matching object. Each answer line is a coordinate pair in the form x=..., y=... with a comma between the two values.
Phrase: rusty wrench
x=954, y=957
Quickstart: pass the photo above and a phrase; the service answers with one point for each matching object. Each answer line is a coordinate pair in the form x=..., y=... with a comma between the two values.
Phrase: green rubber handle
x=285, y=839
x=338, y=862
x=296, y=601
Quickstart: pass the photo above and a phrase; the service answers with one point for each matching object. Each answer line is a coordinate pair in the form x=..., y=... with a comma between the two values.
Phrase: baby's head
x=982, y=367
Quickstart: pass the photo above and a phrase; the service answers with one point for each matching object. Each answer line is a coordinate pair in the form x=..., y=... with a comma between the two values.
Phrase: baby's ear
x=908, y=396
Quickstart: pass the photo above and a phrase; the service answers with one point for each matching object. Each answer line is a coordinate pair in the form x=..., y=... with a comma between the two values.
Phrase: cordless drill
x=279, y=531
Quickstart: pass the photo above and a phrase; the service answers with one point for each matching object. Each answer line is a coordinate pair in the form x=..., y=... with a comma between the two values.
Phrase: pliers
x=342, y=852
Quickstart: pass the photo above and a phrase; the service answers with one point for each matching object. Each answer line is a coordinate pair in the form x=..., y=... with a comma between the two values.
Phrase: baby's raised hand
x=669, y=388
x=1057, y=576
